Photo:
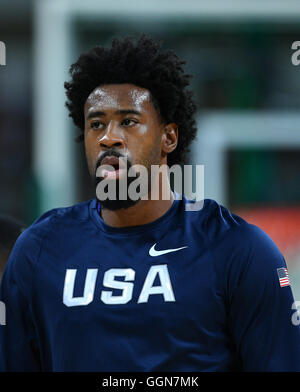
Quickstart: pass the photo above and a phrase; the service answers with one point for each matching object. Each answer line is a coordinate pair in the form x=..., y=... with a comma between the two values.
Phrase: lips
x=112, y=167
x=111, y=160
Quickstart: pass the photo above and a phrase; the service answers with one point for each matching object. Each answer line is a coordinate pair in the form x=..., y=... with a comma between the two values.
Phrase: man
x=10, y=229
x=143, y=284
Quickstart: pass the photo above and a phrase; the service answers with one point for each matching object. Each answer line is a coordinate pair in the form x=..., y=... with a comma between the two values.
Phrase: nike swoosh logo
x=155, y=253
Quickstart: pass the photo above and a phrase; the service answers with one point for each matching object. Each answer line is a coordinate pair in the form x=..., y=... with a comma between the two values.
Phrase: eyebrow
x=121, y=111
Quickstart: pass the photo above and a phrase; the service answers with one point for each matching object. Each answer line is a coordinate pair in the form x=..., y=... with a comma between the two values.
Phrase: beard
x=121, y=197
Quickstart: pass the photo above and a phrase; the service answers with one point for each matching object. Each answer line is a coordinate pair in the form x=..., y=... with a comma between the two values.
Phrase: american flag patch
x=283, y=277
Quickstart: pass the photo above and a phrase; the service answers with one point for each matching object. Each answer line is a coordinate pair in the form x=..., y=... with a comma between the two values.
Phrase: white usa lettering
x=126, y=286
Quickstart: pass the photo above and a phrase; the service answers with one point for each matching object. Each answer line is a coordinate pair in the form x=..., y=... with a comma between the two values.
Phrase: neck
x=145, y=211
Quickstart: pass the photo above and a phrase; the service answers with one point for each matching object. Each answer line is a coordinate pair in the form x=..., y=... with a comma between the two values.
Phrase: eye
x=129, y=121
x=97, y=124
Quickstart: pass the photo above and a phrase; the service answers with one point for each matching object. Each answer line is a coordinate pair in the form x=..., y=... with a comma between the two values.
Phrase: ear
x=169, y=139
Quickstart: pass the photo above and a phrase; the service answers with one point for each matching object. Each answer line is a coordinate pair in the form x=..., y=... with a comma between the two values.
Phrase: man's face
x=121, y=119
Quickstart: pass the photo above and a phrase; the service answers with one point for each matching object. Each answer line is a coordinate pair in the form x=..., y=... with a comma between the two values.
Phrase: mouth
x=112, y=168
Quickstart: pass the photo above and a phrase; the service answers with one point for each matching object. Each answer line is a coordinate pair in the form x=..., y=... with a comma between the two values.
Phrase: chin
x=115, y=205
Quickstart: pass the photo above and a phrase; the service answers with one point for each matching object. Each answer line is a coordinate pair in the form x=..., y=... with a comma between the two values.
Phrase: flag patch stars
x=283, y=277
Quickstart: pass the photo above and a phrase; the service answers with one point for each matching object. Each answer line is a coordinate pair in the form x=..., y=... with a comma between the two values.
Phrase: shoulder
x=236, y=236
x=219, y=225
x=79, y=211
x=29, y=244
x=55, y=220
x=232, y=241
x=213, y=220
x=242, y=252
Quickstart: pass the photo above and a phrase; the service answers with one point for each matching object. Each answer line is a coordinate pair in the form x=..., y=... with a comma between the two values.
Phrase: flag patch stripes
x=283, y=277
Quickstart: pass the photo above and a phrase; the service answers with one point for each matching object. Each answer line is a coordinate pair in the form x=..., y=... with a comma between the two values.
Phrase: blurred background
x=245, y=84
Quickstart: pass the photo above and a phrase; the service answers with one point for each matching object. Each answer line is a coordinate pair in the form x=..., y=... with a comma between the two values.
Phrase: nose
x=113, y=137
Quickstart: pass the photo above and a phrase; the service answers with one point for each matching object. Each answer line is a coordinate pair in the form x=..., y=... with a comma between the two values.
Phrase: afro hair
x=144, y=65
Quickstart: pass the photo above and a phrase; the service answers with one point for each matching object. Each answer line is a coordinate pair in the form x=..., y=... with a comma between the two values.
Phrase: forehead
x=116, y=96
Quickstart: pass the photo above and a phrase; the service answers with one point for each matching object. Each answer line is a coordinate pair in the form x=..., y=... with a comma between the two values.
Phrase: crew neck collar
x=95, y=209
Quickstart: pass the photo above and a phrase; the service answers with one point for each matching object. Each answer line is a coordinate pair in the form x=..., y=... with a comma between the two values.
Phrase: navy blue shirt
x=191, y=291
